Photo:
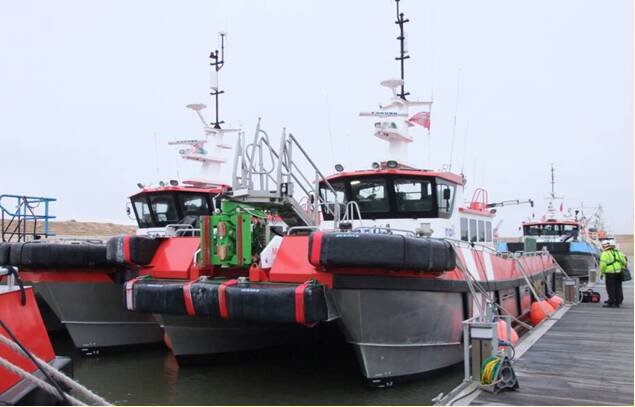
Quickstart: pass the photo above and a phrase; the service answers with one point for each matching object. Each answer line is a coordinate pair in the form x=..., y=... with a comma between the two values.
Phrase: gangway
x=20, y=214
x=264, y=176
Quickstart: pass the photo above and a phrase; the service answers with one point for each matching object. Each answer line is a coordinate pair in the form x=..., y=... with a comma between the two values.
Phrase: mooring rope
x=83, y=391
x=37, y=381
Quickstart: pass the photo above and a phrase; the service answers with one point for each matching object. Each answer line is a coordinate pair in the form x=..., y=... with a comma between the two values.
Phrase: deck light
x=161, y=183
x=375, y=165
x=174, y=182
x=392, y=164
x=339, y=167
x=140, y=185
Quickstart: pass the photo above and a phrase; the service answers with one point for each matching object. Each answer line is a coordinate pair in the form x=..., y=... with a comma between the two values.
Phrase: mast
x=402, y=49
x=217, y=63
x=553, y=183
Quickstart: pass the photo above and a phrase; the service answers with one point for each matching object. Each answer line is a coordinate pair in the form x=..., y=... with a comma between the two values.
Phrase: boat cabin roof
x=447, y=176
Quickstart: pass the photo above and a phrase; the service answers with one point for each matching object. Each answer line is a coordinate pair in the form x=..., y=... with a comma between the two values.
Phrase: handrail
x=14, y=221
x=251, y=176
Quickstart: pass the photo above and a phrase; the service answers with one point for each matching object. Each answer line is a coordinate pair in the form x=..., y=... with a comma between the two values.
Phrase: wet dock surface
x=585, y=358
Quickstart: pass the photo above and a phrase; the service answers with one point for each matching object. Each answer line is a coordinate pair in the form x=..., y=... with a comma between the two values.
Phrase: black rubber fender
x=5, y=249
x=128, y=249
x=59, y=255
x=383, y=251
x=244, y=302
x=156, y=297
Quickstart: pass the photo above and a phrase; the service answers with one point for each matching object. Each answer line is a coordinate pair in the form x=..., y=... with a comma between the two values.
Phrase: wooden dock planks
x=586, y=358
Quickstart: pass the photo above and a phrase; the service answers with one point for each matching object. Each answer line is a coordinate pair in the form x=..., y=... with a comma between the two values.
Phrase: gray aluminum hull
x=94, y=315
x=400, y=333
x=189, y=336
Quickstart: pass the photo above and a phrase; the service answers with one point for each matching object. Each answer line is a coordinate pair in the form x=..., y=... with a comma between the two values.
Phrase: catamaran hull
x=192, y=336
x=94, y=315
x=400, y=333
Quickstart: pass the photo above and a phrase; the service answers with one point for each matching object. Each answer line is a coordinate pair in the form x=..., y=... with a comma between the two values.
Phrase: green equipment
x=231, y=237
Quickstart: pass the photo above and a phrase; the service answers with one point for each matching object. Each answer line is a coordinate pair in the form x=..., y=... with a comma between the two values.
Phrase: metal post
x=466, y=350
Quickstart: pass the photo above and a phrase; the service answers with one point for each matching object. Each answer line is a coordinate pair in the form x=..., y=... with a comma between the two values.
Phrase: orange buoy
x=502, y=333
x=555, y=301
x=539, y=311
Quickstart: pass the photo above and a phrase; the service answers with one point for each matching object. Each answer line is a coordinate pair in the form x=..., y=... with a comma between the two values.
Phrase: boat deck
x=586, y=358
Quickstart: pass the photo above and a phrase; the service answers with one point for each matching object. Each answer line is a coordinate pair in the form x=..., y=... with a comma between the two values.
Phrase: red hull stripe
x=126, y=249
x=187, y=294
x=239, y=239
x=222, y=299
x=316, y=248
x=129, y=293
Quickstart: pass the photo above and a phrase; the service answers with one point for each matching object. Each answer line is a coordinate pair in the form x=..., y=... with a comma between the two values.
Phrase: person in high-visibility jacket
x=612, y=262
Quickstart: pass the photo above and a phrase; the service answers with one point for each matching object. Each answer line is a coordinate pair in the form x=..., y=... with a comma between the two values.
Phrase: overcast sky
x=91, y=92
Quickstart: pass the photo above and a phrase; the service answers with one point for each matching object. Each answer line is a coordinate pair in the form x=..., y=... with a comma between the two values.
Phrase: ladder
x=265, y=177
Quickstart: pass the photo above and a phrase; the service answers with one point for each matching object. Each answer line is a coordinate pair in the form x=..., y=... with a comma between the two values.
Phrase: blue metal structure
x=17, y=210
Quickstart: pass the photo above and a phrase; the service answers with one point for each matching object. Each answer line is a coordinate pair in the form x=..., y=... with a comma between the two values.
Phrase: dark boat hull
x=577, y=264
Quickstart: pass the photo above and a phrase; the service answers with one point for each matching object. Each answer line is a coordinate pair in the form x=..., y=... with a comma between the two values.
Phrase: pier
x=583, y=355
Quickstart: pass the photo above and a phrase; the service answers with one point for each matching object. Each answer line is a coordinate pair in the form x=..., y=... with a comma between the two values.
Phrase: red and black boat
x=388, y=254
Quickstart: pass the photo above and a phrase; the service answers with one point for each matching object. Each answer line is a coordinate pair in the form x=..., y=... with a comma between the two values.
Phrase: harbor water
x=296, y=375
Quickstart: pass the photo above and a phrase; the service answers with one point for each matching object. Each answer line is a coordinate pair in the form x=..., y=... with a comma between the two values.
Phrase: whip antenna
x=402, y=49
x=217, y=63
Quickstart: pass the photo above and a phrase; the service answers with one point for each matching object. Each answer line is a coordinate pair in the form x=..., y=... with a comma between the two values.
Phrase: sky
x=91, y=93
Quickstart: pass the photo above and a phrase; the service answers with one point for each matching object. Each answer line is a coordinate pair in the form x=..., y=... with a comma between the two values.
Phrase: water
x=294, y=375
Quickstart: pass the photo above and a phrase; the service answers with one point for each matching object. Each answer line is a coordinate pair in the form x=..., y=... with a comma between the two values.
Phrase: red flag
x=421, y=118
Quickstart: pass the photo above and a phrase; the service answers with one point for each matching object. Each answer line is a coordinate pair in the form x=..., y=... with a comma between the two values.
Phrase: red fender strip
x=129, y=293
x=299, y=304
x=187, y=294
x=239, y=239
x=207, y=245
x=126, y=249
x=222, y=299
x=316, y=247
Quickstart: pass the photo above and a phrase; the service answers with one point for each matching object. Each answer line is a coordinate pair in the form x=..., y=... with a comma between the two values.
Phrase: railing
x=19, y=217
x=262, y=174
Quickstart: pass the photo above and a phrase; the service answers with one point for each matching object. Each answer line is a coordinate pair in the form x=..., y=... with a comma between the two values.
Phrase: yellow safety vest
x=612, y=261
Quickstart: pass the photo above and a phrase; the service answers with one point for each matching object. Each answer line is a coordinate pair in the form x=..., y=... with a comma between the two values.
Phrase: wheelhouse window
x=193, y=205
x=464, y=231
x=158, y=209
x=473, y=234
x=388, y=196
x=142, y=212
x=445, y=199
x=370, y=195
x=413, y=195
x=488, y=231
x=551, y=229
x=164, y=209
x=481, y=231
